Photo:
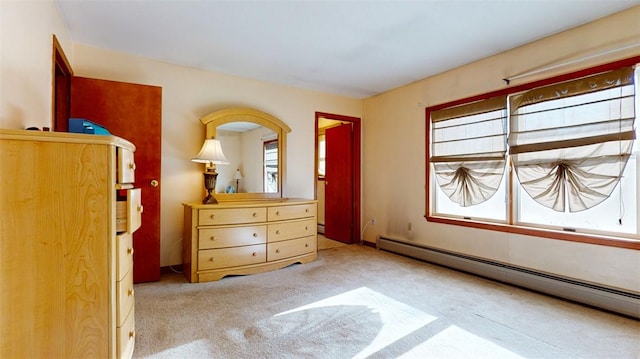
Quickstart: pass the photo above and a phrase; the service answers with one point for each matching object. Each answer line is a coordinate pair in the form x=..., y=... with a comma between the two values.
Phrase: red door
x=338, y=221
x=133, y=112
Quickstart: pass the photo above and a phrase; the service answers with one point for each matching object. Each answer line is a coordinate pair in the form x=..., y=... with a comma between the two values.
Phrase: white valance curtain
x=469, y=148
x=570, y=142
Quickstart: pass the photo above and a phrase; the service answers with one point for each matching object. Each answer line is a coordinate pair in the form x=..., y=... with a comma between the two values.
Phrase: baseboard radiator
x=614, y=300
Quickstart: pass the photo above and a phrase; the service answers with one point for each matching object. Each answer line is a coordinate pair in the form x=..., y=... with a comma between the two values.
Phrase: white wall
x=394, y=173
x=187, y=95
x=26, y=52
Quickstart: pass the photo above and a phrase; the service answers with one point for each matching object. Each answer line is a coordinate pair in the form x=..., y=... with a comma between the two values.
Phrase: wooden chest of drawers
x=247, y=237
x=65, y=260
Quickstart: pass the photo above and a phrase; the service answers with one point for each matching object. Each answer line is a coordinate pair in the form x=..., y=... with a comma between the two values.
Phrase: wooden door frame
x=60, y=92
x=355, y=121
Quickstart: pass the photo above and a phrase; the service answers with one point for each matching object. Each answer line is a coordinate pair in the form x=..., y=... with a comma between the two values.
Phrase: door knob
x=154, y=183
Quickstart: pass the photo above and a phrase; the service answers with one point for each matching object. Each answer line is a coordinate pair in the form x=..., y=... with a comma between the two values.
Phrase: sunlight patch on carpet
x=200, y=348
x=455, y=342
x=391, y=319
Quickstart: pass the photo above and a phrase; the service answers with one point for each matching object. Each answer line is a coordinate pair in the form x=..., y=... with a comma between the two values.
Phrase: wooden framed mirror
x=255, y=144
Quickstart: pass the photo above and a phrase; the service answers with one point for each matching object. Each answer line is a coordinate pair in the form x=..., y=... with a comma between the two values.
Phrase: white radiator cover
x=610, y=299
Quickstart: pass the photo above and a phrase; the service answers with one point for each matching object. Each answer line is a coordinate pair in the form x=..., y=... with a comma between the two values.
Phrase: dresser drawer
x=126, y=166
x=294, y=229
x=126, y=336
x=231, y=216
x=124, y=254
x=280, y=213
x=291, y=248
x=231, y=236
x=124, y=297
x=231, y=257
x=129, y=210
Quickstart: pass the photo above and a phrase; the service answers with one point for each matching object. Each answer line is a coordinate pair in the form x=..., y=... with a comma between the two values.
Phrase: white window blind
x=570, y=142
x=468, y=149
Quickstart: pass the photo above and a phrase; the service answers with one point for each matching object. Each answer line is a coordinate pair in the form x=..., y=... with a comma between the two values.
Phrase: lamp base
x=209, y=199
x=210, y=178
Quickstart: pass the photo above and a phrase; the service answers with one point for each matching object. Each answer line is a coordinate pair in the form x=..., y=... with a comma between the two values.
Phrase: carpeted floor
x=326, y=243
x=357, y=302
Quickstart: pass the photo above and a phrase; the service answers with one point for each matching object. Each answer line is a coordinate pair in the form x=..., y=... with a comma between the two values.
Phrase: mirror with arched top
x=254, y=142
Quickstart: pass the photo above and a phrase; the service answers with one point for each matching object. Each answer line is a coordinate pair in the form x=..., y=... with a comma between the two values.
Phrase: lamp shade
x=237, y=175
x=211, y=152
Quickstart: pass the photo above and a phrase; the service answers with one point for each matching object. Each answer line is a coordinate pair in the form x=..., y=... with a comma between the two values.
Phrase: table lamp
x=211, y=155
x=237, y=176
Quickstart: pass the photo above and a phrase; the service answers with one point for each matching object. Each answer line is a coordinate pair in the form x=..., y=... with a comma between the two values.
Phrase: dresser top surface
x=66, y=137
x=259, y=203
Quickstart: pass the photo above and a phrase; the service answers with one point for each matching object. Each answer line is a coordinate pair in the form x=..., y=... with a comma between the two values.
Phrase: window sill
x=619, y=242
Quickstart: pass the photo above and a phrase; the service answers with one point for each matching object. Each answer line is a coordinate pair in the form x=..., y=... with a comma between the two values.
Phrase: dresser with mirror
x=253, y=227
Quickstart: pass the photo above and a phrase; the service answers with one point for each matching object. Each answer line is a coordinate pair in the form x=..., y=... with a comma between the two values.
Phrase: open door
x=133, y=112
x=339, y=183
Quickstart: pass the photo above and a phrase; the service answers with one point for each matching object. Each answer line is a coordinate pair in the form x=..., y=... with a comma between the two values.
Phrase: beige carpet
x=358, y=302
x=326, y=243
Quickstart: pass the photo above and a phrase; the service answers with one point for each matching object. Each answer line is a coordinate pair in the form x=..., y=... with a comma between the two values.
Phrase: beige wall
x=26, y=31
x=394, y=175
x=187, y=95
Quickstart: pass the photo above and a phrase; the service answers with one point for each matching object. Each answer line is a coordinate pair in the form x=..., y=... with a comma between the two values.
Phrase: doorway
x=131, y=111
x=61, y=92
x=338, y=168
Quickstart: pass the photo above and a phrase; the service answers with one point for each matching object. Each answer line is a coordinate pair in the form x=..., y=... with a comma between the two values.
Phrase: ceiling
x=354, y=48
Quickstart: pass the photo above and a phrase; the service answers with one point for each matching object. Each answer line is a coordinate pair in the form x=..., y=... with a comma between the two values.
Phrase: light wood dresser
x=68, y=208
x=237, y=238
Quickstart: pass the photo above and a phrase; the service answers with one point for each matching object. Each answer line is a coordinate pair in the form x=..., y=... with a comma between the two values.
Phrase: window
x=271, y=166
x=322, y=155
x=469, y=147
x=556, y=158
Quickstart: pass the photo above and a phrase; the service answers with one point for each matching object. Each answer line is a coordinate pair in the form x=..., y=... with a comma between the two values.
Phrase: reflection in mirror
x=243, y=144
x=271, y=166
x=255, y=144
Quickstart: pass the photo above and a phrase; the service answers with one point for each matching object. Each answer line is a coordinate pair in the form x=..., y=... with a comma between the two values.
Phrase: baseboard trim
x=369, y=244
x=171, y=269
x=610, y=299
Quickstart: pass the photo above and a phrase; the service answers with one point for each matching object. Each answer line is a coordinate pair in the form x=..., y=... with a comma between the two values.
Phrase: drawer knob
x=254, y=254
x=213, y=238
x=130, y=292
x=212, y=216
x=211, y=259
x=132, y=334
x=306, y=245
x=306, y=210
x=129, y=251
x=255, y=214
x=132, y=166
x=255, y=235
x=277, y=231
x=277, y=251
x=277, y=213
x=306, y=228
